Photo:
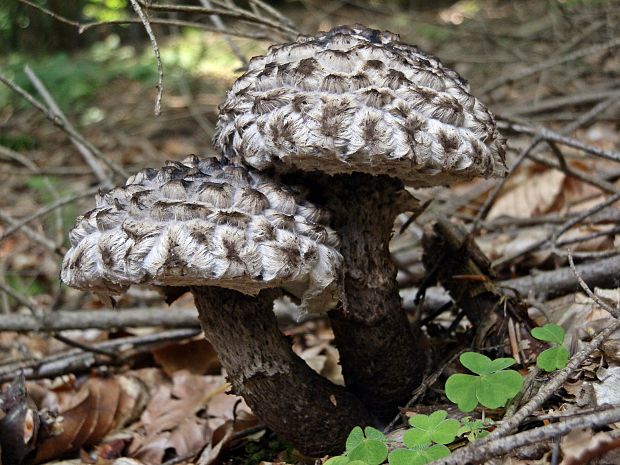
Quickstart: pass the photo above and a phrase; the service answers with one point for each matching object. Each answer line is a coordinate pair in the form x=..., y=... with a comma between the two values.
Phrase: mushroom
x=357, y=115
x=235, y=239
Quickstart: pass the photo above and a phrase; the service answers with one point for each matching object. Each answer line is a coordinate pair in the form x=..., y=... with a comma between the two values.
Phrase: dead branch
x=100, y=319
x=230, y=11
x=33, y=235
x=552, y=238
x=529, y=152
x=77, y=360
x=553, y=136
x=84, y=26
x=59, y=120
x=479, y=453
x=220, y=26
x=155, y=47
x=555, y=61
x=599, y=273
x=15, y=227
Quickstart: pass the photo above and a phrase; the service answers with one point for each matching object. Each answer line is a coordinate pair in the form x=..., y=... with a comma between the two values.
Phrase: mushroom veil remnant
x=356, y=114
x=235, y=238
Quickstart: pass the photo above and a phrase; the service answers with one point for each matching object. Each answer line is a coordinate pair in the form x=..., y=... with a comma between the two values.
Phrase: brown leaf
x=171, y=419
x=197, y=356
x=88, y=414
x=581, y=446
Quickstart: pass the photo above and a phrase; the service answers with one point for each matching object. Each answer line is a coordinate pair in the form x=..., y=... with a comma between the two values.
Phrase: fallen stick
x=100, y=319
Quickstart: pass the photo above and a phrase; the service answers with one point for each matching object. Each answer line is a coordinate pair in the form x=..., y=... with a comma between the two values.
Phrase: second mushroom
x=236, y=239
x=355, y=114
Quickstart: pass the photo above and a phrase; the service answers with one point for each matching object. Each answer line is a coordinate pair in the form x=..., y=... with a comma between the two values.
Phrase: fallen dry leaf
x=174, y=418
x=197, y=356
x=581, y=446
x=534, y=195
x=87, y=417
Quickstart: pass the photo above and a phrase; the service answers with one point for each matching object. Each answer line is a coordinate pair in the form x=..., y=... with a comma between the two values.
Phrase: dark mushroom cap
x=357, y=99
x=200, y=223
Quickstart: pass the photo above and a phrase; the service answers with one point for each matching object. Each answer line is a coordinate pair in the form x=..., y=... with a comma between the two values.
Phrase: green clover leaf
x=431, y=428
x=492, y=388
x=367, y=446
x=420, y=455
x=483, y=365
x=553, y=359
x=549, y=333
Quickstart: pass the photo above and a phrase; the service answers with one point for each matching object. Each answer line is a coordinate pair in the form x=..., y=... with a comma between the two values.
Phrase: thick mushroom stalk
x=289, y=397
x=381, y=360
x=235, y=238
x=356, y=101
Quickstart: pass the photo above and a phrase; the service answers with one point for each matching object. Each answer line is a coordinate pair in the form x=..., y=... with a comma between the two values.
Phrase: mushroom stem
x=381, y=360
x=298, y=404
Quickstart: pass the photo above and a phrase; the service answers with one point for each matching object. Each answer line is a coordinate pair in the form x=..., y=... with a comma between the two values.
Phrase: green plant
x=365, y=447
x=426, y=430
x=492, y=386
x=556, y=357
x=474, y=429
x=418, y=455
x=433, y=428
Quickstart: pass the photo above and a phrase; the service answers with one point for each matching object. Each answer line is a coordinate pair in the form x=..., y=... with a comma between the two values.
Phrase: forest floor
x=550, y=71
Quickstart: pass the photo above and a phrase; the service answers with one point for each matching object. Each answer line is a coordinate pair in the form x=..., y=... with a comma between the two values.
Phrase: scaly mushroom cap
x=357, y=99
x=199, y=223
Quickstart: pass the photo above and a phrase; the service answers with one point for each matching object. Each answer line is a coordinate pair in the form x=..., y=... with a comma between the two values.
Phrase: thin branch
x=219, y=24
x=601, y=273
x=553, y=136
x=77, y=360
x=553, y=237
x=237, y=13
x=501, y=445
x=34, y=236
x=84, y=26
x=155, y=47
x=556, y=381
x=46, y=210
x=100, y=319
x=555, y=61
x=528, y=151
x=88, y=155
x=62, y=124
x=600, y=302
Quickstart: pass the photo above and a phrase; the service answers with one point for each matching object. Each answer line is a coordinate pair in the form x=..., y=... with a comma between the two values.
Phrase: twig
x=84, y=26
x=427, y=382
x=600, y=302
x=34, y=236
x=37, y=314
x=77, y=360
x=549, y=135
x=556, y=381
x=155, y=47
x=100, y=319
x=479, y=452
x=89, y=156
x=518, y=75
x=44, y=211
x=219, y=24
x=4, y=287
x=599, y=273
x=63, y=125
x=565, y=100
x=527, y=152
x=237, y=13
x=552, y=238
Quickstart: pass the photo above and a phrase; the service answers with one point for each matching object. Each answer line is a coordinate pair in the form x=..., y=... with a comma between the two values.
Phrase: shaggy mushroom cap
x=358, y=99
x=200, y=223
